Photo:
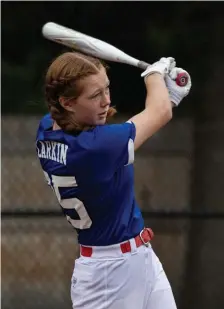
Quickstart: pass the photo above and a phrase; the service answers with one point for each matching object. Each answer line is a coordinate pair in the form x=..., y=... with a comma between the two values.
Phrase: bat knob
x=182, y=79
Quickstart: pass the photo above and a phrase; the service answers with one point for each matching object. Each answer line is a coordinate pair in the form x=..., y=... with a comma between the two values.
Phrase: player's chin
x=101, y=121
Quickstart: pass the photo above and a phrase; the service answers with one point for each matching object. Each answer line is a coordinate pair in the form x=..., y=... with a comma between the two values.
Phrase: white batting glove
x=163, y=66
x=177, y=93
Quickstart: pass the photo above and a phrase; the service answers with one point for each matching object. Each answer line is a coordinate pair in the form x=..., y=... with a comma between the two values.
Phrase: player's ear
x=67, y=103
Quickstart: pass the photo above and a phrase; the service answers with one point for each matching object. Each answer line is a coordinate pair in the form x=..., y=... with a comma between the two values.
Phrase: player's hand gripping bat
x=95, y=47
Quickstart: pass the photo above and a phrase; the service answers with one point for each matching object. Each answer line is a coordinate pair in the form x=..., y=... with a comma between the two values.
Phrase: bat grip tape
x=143, y=65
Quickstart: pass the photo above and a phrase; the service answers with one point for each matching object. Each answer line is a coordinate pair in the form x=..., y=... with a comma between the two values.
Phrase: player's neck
x=56, y=126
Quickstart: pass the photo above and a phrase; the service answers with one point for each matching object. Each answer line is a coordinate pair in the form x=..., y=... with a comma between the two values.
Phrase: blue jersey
x=92, y=176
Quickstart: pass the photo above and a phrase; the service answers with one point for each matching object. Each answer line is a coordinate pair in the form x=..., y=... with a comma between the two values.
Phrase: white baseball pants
x=110, y=279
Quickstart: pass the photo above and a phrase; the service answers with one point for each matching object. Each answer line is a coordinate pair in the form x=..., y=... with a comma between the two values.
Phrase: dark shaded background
x=145, y=30
x=193, y=33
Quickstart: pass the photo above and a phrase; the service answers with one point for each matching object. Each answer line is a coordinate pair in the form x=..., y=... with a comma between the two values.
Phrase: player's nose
x=105, y=100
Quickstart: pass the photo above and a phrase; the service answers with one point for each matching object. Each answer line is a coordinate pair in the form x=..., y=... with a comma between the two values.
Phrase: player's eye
x=95, y=95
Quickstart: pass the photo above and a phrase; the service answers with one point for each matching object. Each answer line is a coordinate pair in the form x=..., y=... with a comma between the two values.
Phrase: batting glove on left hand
x=163, y=66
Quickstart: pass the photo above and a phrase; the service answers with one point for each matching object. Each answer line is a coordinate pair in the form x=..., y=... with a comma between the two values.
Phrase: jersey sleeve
x=111, y=147
x=115, y=143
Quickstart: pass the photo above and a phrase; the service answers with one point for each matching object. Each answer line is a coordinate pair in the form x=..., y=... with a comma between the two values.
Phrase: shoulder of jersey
x=87, y=139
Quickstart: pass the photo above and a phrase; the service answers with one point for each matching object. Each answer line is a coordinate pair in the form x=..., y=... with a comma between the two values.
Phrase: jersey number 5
x=72, y=203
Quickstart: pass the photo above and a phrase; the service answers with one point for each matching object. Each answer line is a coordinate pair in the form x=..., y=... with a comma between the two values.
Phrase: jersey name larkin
x=53, y=151
x=92, y=177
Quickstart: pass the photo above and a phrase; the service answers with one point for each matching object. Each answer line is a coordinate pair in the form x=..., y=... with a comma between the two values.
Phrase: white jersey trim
x=131, y=152
x=131, y=149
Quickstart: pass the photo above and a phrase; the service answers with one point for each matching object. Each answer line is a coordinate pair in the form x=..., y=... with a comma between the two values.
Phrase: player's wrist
x=154, y=77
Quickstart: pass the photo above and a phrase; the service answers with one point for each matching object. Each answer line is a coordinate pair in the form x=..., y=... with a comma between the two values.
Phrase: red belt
x=143, y=238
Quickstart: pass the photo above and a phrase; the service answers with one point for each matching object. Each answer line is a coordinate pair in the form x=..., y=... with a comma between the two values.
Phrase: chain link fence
x=39, y=247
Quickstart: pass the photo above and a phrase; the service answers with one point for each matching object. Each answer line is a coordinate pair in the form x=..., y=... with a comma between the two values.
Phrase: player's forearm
x=157, y=112
x=157, y=93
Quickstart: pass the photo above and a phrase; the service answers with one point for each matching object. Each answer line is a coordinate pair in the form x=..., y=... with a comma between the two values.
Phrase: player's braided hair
x=61, y=80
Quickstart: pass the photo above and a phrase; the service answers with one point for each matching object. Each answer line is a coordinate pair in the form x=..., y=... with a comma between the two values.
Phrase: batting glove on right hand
x=176, y=92
x=163, y=66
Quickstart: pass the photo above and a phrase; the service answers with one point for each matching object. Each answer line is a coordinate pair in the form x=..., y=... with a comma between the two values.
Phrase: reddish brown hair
x=61, y=80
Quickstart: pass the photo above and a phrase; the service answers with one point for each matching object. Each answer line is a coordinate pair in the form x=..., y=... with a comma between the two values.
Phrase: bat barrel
x=89, y=45
x=59, y=34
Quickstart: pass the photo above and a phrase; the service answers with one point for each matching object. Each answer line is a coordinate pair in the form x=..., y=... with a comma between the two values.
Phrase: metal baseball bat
x=95, y=47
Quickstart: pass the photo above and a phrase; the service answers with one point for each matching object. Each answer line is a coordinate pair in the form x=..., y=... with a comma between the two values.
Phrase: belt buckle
x=146, y=243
